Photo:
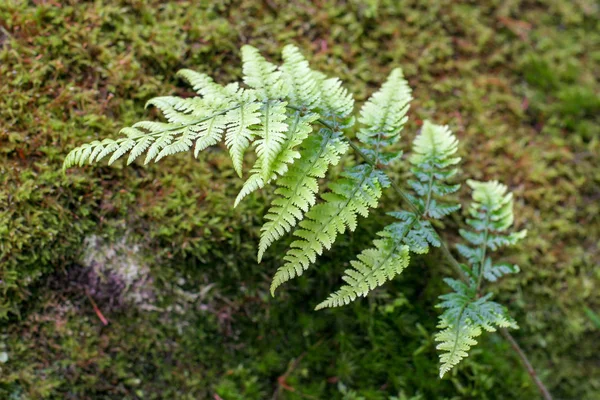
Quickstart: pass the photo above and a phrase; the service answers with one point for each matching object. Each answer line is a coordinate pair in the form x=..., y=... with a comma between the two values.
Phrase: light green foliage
x=297, y=189
x=433, y=159
x=467, y=311
x=383, y=116
x=491, y=215
x=242, y=114
x=274, y=116
x=465, y=317
x=358, y=190
x=304, y=83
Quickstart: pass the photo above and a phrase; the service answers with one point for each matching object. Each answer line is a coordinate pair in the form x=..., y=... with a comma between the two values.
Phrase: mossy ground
x=516, y=80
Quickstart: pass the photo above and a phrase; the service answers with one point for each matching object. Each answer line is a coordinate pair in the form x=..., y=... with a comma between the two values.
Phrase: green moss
x=518, y=84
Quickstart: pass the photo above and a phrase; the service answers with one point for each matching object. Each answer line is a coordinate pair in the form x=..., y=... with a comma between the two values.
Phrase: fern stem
x=483, y=251
x=526, y=363
x=429, y=190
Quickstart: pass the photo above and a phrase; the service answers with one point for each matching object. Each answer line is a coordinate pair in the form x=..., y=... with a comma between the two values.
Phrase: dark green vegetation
x=518, y=84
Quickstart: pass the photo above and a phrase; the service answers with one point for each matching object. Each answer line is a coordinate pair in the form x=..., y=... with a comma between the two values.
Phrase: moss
x=516, y=81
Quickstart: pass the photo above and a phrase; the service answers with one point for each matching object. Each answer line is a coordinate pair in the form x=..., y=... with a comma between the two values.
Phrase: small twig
x=281, y=381
x=96, y=309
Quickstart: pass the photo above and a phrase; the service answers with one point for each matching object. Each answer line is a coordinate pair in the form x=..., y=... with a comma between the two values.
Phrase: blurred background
x=141, y=282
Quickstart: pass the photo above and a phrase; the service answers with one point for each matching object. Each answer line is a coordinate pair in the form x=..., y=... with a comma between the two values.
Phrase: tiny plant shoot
x=295, y=119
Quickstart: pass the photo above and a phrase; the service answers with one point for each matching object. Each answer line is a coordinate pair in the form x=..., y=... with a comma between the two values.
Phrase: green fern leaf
x=239, y=135
x=354, y=194
x=456, y=340
x=297, y=188
x=302, y=81
x=383, y=117
x=262, y=76
x=373, y=268
x=433, y=163
x=208, y=88
x=465, y=316
x=272, y=135
x=491, y=215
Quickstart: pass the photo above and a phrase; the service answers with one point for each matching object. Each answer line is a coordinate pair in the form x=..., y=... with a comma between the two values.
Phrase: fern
x=383, y=116
x=297, y=189
x=353, y=195
x=467, y=312
x=464, y=318
x=433, y=157
x=294, y=119
x=303, y=83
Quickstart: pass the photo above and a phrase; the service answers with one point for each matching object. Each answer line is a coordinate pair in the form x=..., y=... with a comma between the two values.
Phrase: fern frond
x=262, y=76
x=336, y=103
x=467, y=313
x=491, y=215
x=272, y=135
x=297, y=188
x=303, y=83
x=239, y=135
x=464, y=318
x=433, y=161
x=300, y=127
x=383, y=117
x=350, y=196
x=374, y=267
x=190, y=121
x=456, y=340
x=208, y=88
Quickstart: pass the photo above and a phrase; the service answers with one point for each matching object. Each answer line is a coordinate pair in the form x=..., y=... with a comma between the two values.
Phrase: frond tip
x=491, y=216
x=383, y=116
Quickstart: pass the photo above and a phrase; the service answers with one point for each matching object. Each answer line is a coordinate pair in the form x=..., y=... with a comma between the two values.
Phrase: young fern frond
x=491, y=215
x=467, y=312
x=358, y=190
x=239, y=135
x=433, y=156
x=374, y=267
x=433, y=161
x=262, y=76
x=303, y=82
